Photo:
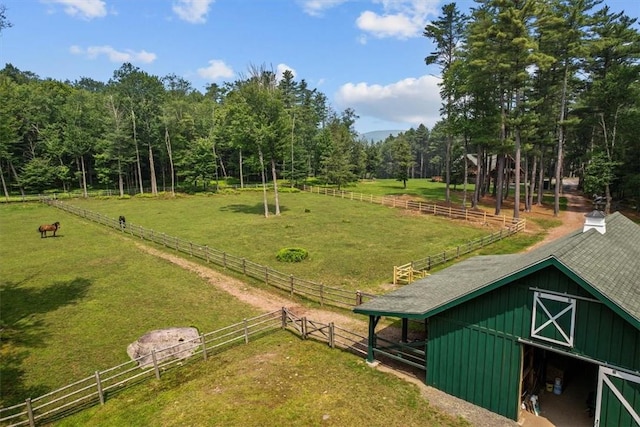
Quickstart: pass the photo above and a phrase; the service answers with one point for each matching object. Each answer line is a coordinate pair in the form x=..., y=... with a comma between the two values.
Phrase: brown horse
x=48, y=227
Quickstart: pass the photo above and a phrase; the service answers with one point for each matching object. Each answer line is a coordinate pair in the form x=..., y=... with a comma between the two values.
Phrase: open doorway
x=565, y=388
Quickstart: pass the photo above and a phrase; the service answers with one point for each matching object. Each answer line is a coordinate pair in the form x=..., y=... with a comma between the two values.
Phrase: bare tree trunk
x=532, y=183
x=241, y=172
x=84, y=178
x=135, y=143
x=15, y=176
x=120, y=180
x=499, y=183
x=275, y=186
x=541, y=180
x=264, y=184
x=563, y=101
x=167, y=140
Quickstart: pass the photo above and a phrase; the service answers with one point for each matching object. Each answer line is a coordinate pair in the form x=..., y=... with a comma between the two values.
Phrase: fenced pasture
x=352, y=246
x=281, y=373
x=71, y=304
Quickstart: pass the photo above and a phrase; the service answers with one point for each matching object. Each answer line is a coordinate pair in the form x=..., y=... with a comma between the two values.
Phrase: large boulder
x=178, y=343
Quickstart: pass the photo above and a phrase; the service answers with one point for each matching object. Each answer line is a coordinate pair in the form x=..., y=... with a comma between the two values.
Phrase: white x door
x=553, y=318
x=618, y=400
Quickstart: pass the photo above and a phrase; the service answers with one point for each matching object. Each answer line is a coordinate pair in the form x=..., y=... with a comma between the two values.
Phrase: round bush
x=292, y=254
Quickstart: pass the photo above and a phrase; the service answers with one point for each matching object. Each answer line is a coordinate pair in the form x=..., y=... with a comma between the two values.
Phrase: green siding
x=473, y=350
x=612, y=412
x=486, y=373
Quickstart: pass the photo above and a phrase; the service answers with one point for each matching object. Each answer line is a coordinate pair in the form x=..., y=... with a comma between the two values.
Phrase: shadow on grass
x=257, y=209
x=21, y=330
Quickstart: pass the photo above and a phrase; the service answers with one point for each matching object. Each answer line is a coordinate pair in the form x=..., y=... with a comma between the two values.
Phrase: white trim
x=537, y=300
x=603, y=378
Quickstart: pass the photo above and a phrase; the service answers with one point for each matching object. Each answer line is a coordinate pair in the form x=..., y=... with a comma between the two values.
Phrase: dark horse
x=48, y=227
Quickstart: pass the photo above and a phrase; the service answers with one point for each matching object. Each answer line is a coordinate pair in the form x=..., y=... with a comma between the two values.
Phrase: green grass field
x=70, y=305
x=351, y=244
x=277, y=380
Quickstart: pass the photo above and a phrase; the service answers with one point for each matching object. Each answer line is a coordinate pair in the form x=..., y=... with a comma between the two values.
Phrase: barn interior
x=565, y=388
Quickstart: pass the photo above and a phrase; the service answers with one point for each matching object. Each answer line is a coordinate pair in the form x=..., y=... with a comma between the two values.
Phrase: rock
x=179, y=343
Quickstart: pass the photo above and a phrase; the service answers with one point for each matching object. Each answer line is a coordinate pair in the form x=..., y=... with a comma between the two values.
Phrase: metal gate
x=618, y=400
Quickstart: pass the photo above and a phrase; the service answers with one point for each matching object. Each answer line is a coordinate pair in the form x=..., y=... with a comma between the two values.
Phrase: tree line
x=532, y=91
x=537, y=89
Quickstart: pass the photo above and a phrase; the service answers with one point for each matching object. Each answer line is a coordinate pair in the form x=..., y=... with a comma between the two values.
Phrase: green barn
x=558, y=321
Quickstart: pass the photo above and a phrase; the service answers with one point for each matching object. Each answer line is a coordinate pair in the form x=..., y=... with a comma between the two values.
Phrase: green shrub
x=292, y=254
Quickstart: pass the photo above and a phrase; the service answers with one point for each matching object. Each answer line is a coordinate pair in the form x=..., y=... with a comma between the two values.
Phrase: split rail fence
x=407, y=273
x=96, y=388
x=294, y=286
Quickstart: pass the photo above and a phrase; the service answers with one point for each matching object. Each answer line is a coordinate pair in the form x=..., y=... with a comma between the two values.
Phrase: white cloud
x=85, y=9
x=193, y=11
x=400, y=18
x=281, y=68
x=128, y=55
x=412, y=101
x=317, y=7
x=216, y=70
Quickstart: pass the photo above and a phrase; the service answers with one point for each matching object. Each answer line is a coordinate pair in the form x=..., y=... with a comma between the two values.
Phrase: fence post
x=155, y=363
x=206, y=252
x=190, y=249
x=395, y=275
x=331, y=335
x=429, y=263
x=458, y=252
x=284, y=317
x=204, y=346
x=99, y=384
x=246, y=331
x=484, y=218
x=444, y=256
x=304, y=328
x=32, y=421
x=177, y=244
x=359, y=294
x=291, y=284
x=321, y=295
x=244, y=266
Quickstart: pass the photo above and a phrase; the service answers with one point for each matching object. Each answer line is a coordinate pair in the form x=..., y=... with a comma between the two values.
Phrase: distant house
x=558, y=321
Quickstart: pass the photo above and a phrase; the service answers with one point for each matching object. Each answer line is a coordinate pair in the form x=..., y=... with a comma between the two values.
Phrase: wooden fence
x=415, y=270
x=294, y=286
x=407, y=273
x=417, y=206
x=98, y=387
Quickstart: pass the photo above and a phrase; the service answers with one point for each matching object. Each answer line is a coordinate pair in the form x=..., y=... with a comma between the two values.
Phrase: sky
x=367, y=55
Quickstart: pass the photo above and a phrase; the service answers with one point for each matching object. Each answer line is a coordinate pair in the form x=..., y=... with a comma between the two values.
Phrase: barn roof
x=607, y=265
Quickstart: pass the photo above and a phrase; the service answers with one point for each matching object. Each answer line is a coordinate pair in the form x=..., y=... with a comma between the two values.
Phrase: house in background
x=561, y=320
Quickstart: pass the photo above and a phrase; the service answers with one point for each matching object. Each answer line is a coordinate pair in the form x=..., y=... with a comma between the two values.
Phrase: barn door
x=553, y=318
x=618, y=401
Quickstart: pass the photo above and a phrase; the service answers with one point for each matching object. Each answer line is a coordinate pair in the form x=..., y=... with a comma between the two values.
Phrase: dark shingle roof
x=609, y=263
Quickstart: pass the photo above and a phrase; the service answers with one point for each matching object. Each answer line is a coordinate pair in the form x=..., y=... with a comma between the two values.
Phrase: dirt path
x=572, y=219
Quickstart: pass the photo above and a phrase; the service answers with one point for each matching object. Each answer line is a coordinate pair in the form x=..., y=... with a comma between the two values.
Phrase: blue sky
x=367, y=55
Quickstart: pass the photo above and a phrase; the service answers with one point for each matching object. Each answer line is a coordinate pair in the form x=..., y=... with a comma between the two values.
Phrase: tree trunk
x=264, y=184
x=4, y=184
x=167, y=140
x=241, y=172
x=135, y=143
x=563, y=101
x=275, y=186
x=499, y=183
x=15, y=176
x=84, y=178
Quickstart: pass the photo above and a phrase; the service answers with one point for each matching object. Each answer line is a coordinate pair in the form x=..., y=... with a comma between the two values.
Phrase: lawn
x=70, y=305
x=351, y=244
x=277, y=380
